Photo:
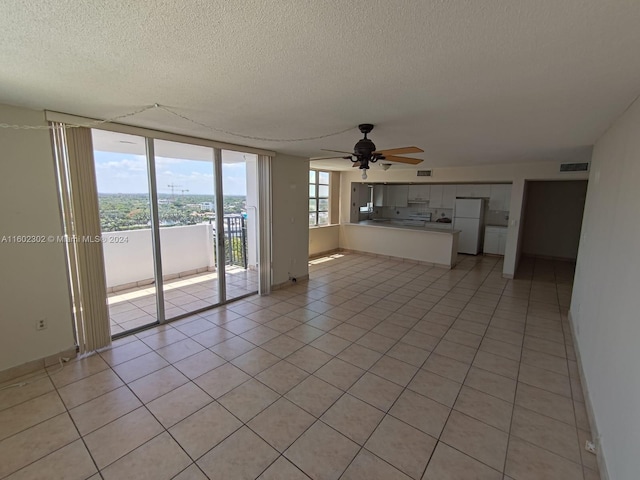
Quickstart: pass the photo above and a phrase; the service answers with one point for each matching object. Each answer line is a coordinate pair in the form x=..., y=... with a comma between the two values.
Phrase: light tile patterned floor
x=136, y=307
x=375, y=369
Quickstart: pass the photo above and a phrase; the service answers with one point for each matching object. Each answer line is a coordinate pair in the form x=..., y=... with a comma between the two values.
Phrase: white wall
x=515, y=173
x=323, y=239
x=183, y=248
x=439, y=248
x=290, y=217
x=606, y=305
x=553, y=218
x=33, y=279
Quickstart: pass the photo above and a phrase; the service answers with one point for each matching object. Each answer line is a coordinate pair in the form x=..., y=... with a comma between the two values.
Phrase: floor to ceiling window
x=202, y=250
x=125, y=220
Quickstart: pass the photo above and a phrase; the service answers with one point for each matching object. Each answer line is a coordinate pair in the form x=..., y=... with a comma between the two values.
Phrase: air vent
x=574, y=167
x=425, y=173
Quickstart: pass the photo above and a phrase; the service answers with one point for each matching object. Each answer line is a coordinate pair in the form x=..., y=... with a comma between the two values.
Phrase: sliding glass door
x=179, y=224
x=122, y=179
x=240, y=222
x=186, y=212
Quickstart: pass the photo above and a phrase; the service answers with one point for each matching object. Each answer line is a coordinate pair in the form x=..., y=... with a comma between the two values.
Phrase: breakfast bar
x=423, y=244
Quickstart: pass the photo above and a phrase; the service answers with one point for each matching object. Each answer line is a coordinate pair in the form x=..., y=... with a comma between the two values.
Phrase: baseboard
x=602, y=465
x=289, y=283
x=548, y=257
x=325, y=253
x=36, y=365
x=397, y=259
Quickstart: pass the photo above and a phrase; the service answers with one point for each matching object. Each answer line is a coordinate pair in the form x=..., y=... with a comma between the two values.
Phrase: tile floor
x=136, y=307
x=375, y=369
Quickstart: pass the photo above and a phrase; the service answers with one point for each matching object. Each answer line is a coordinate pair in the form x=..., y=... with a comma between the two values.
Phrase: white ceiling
x=470, y=82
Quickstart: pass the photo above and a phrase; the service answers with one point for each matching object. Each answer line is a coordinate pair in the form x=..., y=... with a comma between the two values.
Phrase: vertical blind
x=79, y=199
x=264, y=224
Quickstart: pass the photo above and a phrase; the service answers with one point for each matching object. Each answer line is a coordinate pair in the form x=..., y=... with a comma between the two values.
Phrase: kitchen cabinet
x=364, y=195
x=379, y=195
x=495, y=240
x=473, y=190
x=360, y=195
x=417, y=193
x=435, y=196
x=397, y=195
x=448, y=196
x=500, y=197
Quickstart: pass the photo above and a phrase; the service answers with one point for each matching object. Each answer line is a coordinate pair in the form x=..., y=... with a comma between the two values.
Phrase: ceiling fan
x=364, y=152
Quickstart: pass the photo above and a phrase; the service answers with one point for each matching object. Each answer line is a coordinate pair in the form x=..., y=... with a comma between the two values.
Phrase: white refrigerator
x=468, y=217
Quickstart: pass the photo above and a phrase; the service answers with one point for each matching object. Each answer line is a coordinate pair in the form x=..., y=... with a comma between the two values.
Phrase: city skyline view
x=127, y=173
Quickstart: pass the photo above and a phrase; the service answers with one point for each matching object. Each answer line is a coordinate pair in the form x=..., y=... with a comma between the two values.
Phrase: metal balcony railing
x=235, y=240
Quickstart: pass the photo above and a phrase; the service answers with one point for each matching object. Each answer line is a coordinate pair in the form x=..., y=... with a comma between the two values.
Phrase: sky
x=127, y=173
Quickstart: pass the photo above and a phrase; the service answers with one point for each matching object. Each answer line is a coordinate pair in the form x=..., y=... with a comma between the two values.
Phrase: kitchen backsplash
x=492, y=217
x=496, y=217
x=408, y=212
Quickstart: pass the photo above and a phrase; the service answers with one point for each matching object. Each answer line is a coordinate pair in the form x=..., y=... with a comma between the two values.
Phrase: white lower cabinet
x=495, y=240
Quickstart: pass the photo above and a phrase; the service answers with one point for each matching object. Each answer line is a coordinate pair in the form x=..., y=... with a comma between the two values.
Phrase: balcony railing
x=235, y=240
x=186, y=250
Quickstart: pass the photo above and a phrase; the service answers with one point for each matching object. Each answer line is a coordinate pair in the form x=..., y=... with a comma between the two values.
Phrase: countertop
x=388, y=224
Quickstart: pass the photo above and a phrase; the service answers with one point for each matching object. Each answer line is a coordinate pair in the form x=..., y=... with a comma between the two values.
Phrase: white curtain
x=264, y=223
x=79, y=199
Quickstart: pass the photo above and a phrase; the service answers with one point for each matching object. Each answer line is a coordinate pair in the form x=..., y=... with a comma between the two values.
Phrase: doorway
x=553, y=218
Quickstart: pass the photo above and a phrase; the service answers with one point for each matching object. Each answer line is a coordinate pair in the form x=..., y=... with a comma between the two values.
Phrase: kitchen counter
x=429, y=226
x=438, y=247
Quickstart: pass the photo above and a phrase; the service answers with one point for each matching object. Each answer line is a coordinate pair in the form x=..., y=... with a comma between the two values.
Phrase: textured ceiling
x=470, y=82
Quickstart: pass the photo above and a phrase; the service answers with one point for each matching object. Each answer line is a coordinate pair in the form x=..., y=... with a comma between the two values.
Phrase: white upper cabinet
x=418, y=193
x=397, y=195
x=500, y=198
x=473, y=190
x=435, y=196
x=463, y=190
x=379, y=195
x=448, y=196
x=365, y=195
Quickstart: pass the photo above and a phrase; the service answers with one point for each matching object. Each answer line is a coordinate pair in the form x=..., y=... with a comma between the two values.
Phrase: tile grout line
x=452, y=408
x=515, y=393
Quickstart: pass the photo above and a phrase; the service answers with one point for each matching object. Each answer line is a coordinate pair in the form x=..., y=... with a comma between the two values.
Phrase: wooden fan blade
x=411, y=161
x=400, y=151
x=356, y=164
x=337, y=151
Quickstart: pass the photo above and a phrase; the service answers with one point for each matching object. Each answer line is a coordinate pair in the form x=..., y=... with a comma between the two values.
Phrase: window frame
x=317, y=197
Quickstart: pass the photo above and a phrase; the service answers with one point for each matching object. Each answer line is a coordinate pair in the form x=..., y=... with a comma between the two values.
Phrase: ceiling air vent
x=425, y=173
x=574, y=167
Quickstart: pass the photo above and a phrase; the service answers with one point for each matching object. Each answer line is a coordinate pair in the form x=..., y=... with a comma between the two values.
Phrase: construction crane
x=183, y=192
x=173, y=187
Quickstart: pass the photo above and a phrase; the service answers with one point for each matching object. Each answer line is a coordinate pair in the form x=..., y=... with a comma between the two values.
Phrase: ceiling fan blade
x=411, y=161
x=356, y=164
x=337, y=151
x=400, y=151
x=336, y=157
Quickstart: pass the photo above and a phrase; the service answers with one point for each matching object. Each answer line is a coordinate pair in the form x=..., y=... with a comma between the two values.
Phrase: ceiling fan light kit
x=364, y=153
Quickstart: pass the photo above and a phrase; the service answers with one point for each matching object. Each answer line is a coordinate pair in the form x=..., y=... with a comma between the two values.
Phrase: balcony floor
x=133, y=308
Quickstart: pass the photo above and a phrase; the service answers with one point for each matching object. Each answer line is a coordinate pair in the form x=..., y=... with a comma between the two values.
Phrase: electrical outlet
x=41, y=324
